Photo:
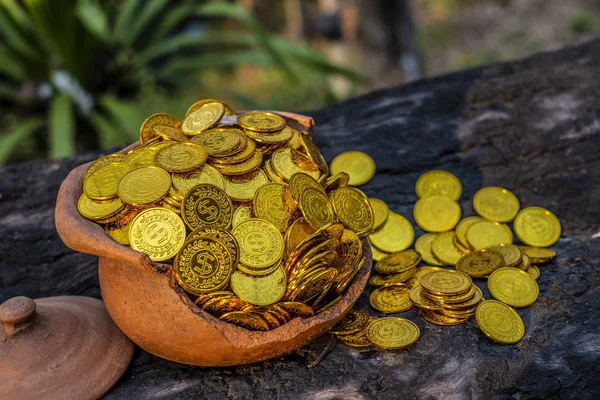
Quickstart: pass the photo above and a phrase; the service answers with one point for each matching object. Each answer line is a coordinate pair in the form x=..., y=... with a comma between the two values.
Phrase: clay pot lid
x=63, y=347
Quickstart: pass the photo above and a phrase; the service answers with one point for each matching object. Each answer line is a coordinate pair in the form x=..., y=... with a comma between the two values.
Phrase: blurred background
x=77, y=75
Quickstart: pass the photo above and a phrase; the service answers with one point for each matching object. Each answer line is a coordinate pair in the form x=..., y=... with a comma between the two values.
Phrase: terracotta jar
x=145, y=301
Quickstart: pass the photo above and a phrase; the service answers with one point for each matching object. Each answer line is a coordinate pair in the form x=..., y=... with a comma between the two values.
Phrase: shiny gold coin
x=354, y=321
x=533, y=271
x=261, y=243
x=463, y=226
x=241, y=214
x=480, y=263
x=448, y=300
x=487, y=234
x=525, y=262
x=273, y=202
x=444, y=250
x=436, y=213
x=272, y=138
x=335, y=182
x=393, y=333
x=499, y=322
x=513, y=287
x=296, y=233
x=141, y=157
x=396, y=234
x=147, y=131
x=205, y=117
x=380, y=212
x=512, y=254
x=538, y=255
x=223, y=236
x=206, y=204
x=353, y=209
x=261, y=291
x=438, y=182
x=416, y=295
x=447, y=282
x=244, y=187
x=218, y=140
x=423, y=246
x=259, y=271
x=468, y=305
x=203, y=265
x=259, y=121
x=170, y=133
x=273, y=177
x=313, y=286
x=295, y=142
x=181, y=157
x=386, y=280
x=391, y=299
x=243, y=152
x=376, y=253
x=300, y=181
x=158, y=232
x=144, y=185
x=102, y=184
x=536, y=226
x=246, y=320
x=496, y=204
x=111, y=158
x=312, y=151
x=297, y=308
x=200, y=103
x=287, y=162
x=398, y=262
x=243, y=167
x=359, y=166
x=316, y=208
x=206, y=174
x=349, y=251
x=438, y=318
x=96, y=210
x=358, y=339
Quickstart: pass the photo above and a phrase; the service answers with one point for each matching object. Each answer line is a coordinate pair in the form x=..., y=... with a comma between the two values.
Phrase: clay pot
x=59, y=348
x=145, y=301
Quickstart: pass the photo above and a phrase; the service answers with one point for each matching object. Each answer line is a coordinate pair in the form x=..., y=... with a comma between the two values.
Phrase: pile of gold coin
x=243, y=205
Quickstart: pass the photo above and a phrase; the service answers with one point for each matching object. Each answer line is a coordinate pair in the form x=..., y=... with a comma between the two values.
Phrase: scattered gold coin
x=359, y=166
x=499, y=322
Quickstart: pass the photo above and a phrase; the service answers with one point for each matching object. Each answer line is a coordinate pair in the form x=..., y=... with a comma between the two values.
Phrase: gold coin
x=416, y=295
x=513, y=287
x=480, y=263
x=245, y=150
x=206, y=174
x=297, y=308
x=536, y=226
x=436, y=213
x=296, y=233
x=279, y=137
x=246, y=320
x=496, y=204
x=261, y=121
x=512, y=254
x=259, y=290
x=141, y=157
x=313, y=286
x=203, y=265
x=244, y=187
x=423, y=246
x=111, y=158
x=463, y=226
x=398, y=262
x=393, y=333
x=438, y=182
x=538, y=255
x=391, y=299
x=353, y=209
x=147, y=131
x=96, y=210
x=273, y=202
x=385, y=280
x=525, y=262
x=243, y=167
x=158, y=232
x=206, y=204
x=335, y=182
x=261, y=243
x=447, y=300
x=499, y=322
x=396, y=234
x=437, y=318
x=446, y=282
x=170, y=133
x=295, y=142
x=200, y=103
x=218, y=140
x=444, y=250
x=533, y=271
x=241, y=214
x=354, y=321
x=181, y=157
x=300, y=181
x=223, y=236
x=376, y=253
x=349, y=251
x=316, y=208
x=380, y=212
x=466, y=305
x=286, y=162
x=102, y=184
x=203, y=118
x=487, y=234
x=144, y=185
x=312, y=151
x=273, y=177
x=358, y=339
x=359, y=166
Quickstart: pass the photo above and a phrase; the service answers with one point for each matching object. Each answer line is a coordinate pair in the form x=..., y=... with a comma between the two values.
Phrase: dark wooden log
x=532, y=126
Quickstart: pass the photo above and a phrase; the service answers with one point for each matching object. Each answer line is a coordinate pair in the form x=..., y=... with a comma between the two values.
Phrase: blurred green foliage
x=78, y=74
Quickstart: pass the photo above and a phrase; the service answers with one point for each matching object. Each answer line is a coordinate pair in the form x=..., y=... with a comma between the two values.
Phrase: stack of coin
x=243, y=205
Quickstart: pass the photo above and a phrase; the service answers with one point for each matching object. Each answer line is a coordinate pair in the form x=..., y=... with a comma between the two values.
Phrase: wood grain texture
x=530, y=125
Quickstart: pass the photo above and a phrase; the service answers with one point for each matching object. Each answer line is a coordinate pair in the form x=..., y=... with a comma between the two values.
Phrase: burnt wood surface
x=532, y=126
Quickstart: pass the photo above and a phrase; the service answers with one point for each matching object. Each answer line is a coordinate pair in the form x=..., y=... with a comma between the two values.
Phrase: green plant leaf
x=11, y=65
x=170, y=20
x=126, y=115
x=108, y=134
x=144, y=17
x=94, y=18
x=7, y=92
x=62, y=127
x=126, y=15
x=10, y=140
x=14, y=33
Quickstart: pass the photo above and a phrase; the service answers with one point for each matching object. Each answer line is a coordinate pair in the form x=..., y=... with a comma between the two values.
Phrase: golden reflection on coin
x=438, y=182
x=358, y=165
x=205, y=117
x=244, y=187
x=487, y=234
x=436, y=213
x=538, y=255
x=206, y=204
x=512, y=254
x=480, y=263
x=380, y=212
x=170, y=133
x=496, y=204
x=316, y=208
x=181, y=157
x=102, y=184
x=287, y=162
x=423, y=246
x=313, y=153
x=259, y=290
x=158, y=232
x=251, y=164
x=391, y=299
x=183, y=182
x=354, y=321
x=393, y=333
x=353, y=209
x=513, y=287
x=273, y=202
x=218, y=140
x=336, y=181
x=272, y=138
x=463, y=226
x=444, y=250
x=202, y=102
x=448, y=282
x=396, y=234
x=144, y=185
x=95, y=210
x=499, y=322
x=261, y=243
x=147, y=131
x=536, y=226
x=261, y=121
